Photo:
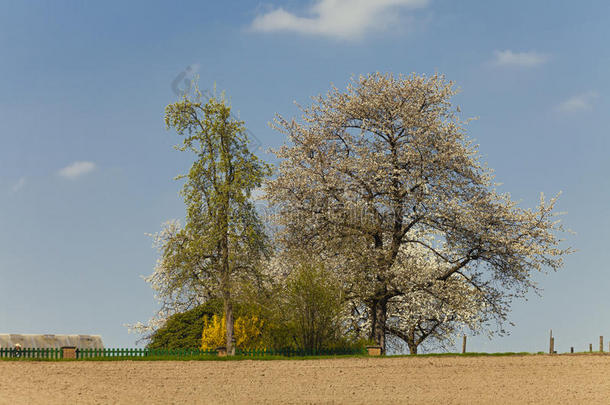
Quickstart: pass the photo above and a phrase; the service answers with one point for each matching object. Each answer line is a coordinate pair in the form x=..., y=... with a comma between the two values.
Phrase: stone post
x=373, y=350
x=68, y=352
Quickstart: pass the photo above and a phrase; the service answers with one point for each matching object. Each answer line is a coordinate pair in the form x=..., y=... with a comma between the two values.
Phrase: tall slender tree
x=386, y=164
x=223, y=238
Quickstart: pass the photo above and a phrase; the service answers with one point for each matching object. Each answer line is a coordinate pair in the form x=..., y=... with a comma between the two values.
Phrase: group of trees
x=300, y=310
x=379, y=198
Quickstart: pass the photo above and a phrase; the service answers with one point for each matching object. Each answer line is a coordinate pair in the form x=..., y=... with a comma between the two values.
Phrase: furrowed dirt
x=540, y=379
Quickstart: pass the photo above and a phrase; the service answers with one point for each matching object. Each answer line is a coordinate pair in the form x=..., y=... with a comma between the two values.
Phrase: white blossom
x=381, y=180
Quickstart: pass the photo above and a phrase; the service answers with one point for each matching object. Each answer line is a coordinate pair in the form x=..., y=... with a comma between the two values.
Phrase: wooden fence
x=103, y=353
x=172, y=353
x=553, y=351
x=119, y=353
x=32, y=353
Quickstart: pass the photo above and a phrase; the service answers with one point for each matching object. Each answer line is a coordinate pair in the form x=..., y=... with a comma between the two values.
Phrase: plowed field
x=541, y=379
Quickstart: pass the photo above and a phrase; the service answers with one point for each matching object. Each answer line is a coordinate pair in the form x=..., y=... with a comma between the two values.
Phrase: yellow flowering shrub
x=248, y=332
x=214, y=332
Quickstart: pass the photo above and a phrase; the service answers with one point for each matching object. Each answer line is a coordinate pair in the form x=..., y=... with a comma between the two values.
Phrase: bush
x=303, y=310
x=247, y=332
x=183, y=330
x=313, y=306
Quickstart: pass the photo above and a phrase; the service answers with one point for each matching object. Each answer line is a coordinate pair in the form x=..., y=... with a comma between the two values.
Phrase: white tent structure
x=8, y=341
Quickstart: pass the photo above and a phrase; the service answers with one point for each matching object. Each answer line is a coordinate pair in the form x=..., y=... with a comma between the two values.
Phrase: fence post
x=590, y=347
x=464, y=345
x=572, y=349
x=551, y=342
x=601, y=344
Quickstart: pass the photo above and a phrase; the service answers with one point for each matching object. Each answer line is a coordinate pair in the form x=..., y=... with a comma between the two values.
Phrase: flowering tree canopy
x=384, y=170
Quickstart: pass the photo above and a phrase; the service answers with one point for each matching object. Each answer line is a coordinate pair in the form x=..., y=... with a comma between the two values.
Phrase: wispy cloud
x=579, y=102
x=341, y=19
x=19, y=185
x=519, y=59
x=76, y=170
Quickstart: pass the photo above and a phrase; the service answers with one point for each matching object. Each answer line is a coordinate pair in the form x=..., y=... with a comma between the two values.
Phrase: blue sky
x=86, y=165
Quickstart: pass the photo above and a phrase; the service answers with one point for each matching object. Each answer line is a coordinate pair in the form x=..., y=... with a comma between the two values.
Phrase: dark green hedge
x=183, y=330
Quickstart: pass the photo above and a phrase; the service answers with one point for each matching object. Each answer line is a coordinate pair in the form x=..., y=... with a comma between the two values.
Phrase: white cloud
x=343, y=19
x=76, y=169
x=577, y=103
x=19, y=185
x=520, y=59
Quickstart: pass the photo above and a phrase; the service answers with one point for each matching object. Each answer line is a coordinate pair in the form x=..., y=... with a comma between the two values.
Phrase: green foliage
x=347, y=344
x=220, y=181
x=313, y=306
x=223, y=238
x=183, y=330
x=302, y=311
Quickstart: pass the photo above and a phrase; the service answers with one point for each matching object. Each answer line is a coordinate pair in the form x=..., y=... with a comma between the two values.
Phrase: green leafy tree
x=223, y=238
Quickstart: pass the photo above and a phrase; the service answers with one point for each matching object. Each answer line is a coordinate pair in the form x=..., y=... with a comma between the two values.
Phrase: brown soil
x=539, y=379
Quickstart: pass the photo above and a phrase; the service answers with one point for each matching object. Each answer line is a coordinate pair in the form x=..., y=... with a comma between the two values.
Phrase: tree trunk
x=228, y=307
x=226, y=297
x=226, y=279
x=379, y=312
x=407, y=337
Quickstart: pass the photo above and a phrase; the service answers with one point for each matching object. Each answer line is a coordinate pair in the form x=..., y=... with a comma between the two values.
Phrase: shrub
x=248, y=332
x=313, y=306
x=183, y=330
